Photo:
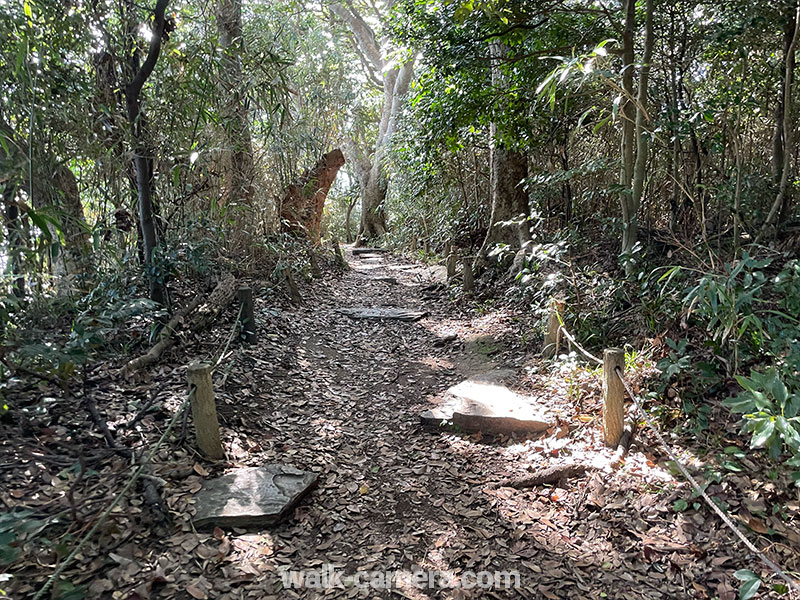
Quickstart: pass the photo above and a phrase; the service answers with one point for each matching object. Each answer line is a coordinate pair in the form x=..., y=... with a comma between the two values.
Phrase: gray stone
x=482, y=403
x=361, y=251
x=384, y=279
x=253, y=496
x=397, y=314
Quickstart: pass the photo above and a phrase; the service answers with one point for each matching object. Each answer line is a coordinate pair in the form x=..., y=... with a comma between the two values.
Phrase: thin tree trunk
x=641, y=138
x=140, y=159
x=16, y=243
x=348, y=232
x=781, y=203
x=628, y=132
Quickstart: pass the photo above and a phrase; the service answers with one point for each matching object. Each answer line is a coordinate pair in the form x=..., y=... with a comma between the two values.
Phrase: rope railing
x=699, y=491
x=135, y=475
x=793, y=586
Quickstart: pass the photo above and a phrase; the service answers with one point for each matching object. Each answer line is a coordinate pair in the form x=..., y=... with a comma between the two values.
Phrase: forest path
x=342, y=397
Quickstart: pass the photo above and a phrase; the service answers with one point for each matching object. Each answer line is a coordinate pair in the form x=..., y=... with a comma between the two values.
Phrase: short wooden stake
x=613, y=396
x=552, y=338
x=316, y=272
x=452, y=263
x=247, y=316
x=294, y=291
x=469, y=280
x=204, y=410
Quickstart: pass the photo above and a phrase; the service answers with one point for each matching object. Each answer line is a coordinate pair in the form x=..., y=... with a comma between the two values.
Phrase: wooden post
x=341, y=261
x=294, y=291
x=613, y=396
x=452, y=263
x=204, y=410
x=247, y=317
x=316, y=272
x=552, y=339
x=469, y=281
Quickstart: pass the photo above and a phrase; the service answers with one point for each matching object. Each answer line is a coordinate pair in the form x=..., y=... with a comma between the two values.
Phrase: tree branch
x=135, y=86
x=363, y=32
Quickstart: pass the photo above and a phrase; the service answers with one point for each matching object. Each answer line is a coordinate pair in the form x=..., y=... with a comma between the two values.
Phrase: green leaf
x=749, y=589
x=745, y=575
x=778, y=389
x=680, y=505
x=790, y=435
x=762, y=433
x=746, y=383
x=740, y=404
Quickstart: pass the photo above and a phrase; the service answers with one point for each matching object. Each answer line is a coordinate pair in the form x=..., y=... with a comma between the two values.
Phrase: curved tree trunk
x=142, y=162
x=370, y=164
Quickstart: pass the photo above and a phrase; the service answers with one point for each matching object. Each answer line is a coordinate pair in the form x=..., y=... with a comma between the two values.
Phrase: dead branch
x=549, y=475
x=194, y=316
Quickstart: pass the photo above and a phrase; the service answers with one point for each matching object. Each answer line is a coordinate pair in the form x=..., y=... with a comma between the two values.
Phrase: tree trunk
x=237, y=153
x=627, y=117
x=58, y=189
x=16, y=244
x=641, y=139
x=302, y=205
x=348, y=232
x=140, y=153
x=53, y=186
x=373, y=215
x=781, y=204
x=508, y=223
x=509, y=200
x=371, y=172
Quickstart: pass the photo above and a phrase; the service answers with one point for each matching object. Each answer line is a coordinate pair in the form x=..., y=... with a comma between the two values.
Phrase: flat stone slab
x=482, y=403
x=358, y=251
x=397, y=314
x=384, y=279
x=252, y=496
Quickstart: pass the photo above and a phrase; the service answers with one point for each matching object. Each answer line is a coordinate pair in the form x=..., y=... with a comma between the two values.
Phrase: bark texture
x=370, y=164
x=302, y=205
x=141, y=156
x=237, y=152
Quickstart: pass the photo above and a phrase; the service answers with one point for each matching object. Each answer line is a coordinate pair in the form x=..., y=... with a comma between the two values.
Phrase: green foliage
x=748, y=313
x=750, y=583
x=770, y=412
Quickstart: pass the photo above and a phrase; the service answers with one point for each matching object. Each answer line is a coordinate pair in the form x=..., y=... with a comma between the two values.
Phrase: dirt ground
x=342, y=397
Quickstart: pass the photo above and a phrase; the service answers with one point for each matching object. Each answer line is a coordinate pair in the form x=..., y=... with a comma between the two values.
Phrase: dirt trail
x=345, y=402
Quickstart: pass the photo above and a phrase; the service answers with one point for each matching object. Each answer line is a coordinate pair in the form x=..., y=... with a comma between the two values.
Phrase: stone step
x=252, y=496
x=482, y=403
x=359, y=251
x=396, y=314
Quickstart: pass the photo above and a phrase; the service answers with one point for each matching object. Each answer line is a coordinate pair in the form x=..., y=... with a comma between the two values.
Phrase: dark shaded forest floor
x=342, y=398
